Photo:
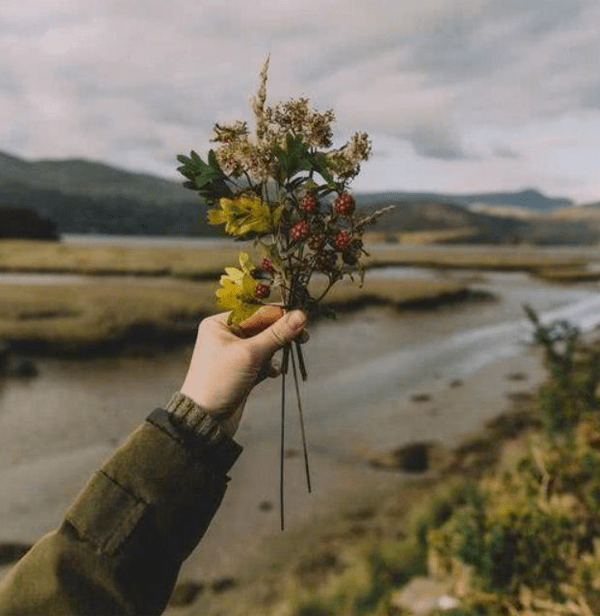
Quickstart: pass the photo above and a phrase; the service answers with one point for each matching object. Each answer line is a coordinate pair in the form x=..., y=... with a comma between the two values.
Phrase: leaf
x=235, y=274
x=246, y=262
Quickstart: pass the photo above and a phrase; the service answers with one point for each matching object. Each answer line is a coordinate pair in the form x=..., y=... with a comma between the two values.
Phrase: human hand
x=225, y=366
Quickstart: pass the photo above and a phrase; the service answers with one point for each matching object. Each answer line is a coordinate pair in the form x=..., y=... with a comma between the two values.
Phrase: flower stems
x=284, y=368
x=301, y=416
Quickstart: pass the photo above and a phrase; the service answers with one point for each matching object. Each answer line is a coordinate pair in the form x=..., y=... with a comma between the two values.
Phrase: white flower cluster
x=239, y=153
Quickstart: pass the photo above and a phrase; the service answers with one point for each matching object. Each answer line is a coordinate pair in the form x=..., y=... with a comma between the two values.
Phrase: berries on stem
x=262, y=291
x=267, y=265
x=299, y=231
x=309, y=203
x=344, y=204
x=342, y=239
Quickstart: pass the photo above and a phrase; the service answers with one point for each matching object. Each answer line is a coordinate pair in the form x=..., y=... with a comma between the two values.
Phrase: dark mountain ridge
x=81, y=196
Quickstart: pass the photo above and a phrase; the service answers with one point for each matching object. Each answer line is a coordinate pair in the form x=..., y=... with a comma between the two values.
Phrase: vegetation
x=208, y=263
x=20, y=222
x=518, y=538
x=110, y=315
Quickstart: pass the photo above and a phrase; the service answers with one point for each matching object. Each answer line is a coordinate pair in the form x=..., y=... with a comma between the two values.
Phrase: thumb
x=277, y=335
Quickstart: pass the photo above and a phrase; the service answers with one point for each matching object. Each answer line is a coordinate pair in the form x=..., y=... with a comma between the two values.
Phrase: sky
x=458, y=96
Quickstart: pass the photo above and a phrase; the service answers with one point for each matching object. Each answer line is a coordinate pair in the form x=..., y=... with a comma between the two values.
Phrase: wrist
x=187, y=411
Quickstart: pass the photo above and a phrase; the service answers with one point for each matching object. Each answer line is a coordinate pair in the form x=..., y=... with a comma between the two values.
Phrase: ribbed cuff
x=198, y=431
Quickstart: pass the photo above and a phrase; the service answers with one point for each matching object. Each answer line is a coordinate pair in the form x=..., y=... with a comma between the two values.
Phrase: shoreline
x=147, y=337
x=356, y=499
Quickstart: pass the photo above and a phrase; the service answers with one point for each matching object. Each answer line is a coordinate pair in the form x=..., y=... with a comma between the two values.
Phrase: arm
x=122, y=542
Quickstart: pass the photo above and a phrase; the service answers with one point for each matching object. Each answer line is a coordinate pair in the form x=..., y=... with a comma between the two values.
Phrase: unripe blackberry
x=325, y=261
x=342, y=239
x=309, y=203
x=350, y=256
x=299, y=231
x=315, y=241
x=262, y=290
x=344, y=204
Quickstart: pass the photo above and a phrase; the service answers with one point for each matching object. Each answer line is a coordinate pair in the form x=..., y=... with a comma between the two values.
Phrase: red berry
x=261, y=291
x=342, y=239
x=308, y=203
x=315, y=242
x=299, y=231
x=267, y=265
x=344, y=204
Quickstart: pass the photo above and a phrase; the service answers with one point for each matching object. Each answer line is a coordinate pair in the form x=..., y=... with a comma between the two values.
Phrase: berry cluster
x=344, y=205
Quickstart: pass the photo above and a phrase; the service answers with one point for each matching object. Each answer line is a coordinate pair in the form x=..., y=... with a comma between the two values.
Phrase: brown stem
x=303, y=370
x=301, y=415
x=282, y=439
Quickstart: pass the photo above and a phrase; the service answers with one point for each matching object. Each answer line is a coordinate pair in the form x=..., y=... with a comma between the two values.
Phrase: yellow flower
x=245, y=214
x=237, y=291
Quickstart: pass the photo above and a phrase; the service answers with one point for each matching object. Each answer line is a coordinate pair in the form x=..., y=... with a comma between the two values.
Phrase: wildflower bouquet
x=286, y=188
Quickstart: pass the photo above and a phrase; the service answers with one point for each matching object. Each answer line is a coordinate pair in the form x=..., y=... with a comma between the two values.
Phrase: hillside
x=90, y=179
x=89, y=197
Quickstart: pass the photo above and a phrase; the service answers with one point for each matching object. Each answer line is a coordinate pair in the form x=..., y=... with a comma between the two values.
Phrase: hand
x=225, y=366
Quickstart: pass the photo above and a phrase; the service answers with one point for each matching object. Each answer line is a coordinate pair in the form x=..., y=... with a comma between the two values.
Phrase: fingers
x=260, y=320
x=280, y=333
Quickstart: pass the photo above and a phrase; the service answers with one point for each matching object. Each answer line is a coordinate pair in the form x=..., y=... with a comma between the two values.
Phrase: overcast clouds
x=457, y=95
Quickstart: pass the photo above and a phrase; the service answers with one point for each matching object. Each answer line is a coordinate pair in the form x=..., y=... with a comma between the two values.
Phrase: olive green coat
x=122, y=542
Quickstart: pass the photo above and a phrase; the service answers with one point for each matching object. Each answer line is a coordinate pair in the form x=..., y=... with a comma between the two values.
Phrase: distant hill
x=89, y=197
x=530, y=199
x=92, y=179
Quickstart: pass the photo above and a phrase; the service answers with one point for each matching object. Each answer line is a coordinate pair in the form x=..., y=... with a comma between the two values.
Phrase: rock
x=422, y=596
x=413, y=458
x=223, y=584
x=420, y=397
x=26, y=368
x=516, y=376
x=265, y=505
x=456, y=383
x=185, y=593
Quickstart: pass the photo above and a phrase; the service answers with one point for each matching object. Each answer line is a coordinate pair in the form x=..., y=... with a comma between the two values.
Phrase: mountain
x=92, y=179
x=530, y=199
x=88, y=197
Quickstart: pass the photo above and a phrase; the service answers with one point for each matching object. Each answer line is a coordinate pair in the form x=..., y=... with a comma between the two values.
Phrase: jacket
x=122, y=541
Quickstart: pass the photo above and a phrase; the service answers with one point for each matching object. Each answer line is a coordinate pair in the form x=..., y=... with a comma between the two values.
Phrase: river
x=54, y=429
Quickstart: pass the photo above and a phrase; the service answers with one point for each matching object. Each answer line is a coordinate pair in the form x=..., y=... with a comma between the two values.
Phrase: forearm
x=123, y=540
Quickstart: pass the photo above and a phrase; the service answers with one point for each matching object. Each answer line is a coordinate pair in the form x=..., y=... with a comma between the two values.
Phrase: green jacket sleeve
x=122, y=542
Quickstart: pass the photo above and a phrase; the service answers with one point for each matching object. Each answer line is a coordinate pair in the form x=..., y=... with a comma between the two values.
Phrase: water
x=55, y=429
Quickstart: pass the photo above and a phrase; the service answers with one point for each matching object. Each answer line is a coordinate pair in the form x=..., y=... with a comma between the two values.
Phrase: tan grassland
x=113, y=313
x=103, y=259
x=208, y=263
x=491, y=259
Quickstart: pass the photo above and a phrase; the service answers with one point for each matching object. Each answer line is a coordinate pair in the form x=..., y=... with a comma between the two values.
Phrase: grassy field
x=103, y=259
x=208, y=263
x=110, y=315
x=158, y=294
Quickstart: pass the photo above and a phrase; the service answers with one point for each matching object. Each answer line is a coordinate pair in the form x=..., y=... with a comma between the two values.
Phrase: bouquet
x=286, y=187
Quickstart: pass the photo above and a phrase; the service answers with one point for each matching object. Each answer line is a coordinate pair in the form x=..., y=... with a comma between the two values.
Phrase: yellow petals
x=237, y=291
x=243, y=215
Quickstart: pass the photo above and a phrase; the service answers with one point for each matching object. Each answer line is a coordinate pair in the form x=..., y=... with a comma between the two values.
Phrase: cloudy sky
x=457, y=95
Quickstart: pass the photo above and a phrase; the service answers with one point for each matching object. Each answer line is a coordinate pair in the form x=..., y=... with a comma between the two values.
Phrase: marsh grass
x=108, y=315
x=102, y=259
x=493, y=258
x=208, y=263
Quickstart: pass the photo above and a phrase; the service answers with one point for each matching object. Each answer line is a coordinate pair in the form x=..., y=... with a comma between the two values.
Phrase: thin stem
x=301, y=415
x=331, y=283
x=303, y=370
x=282, y=442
